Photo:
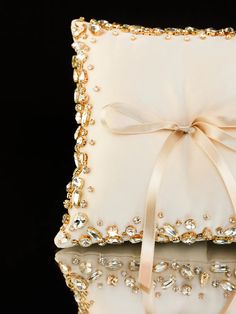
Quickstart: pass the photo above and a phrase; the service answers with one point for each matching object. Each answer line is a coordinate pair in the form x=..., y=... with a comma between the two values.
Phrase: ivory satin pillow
x=155, y=144
x=192, y=278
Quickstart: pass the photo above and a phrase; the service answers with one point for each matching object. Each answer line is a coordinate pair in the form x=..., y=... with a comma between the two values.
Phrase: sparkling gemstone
x=232, y=219
x=223, y=240
x=90, y=188
x=160, y=267
x=189, y=237
x=78, y=182
x=113, y=263
x=129, y=281
x=220, y=231
x=112, y=280
x=175, y=265
x=197, y=270
x=136, y=238
x=85, y=240
x=94, y=234
x=83, y=204
x=186, y=290
x=204, y=278
x=95, y=29
x=170, y=230
x=75, y=62
x=76, y=197
x=137, y=220
x=90, y=67
x=112, y=231
x=227, y=285
x=217, y=267
x=80, y=221
x=85, y=267
x=207, y=234
x=215, y=283
x=85, y=169
x=79, y=283
x=160, y=215
x=85, y=118
x=131, y=230
x=168, y=283
x=230, y=232
x=80, y=46
x=65, y=219
x=190, y=224
x=78, y=28
x=133, y=265
x=187, y=272
x=178, y=222
x=75, y=260
x=95, y=275
x=83, y=76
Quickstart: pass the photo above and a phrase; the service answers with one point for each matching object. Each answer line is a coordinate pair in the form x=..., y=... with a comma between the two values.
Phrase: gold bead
x=115, y=33
x=203, y=36
x=96, y=88
x=201, y=295
x=90, y=188
x=157, y=294
x=206, y=216
x=92, y=121
x=90, y=67
x=168, y=37
x=160, y=215
x=100, y=222
x=232, y=219
x=92, y=142
x=178, y=222
x=186, y=38
x=133, y=38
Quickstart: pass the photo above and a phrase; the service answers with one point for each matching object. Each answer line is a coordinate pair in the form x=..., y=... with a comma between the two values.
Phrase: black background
x=37, y=120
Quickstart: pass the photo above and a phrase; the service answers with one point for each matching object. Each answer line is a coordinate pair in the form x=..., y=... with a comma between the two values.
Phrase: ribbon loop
x=122, y=119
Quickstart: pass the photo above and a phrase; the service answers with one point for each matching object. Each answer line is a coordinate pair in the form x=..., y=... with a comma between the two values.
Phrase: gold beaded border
x=227, y=32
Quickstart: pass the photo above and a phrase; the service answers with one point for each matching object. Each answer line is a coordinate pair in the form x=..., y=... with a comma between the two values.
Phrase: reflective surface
x=186, y=280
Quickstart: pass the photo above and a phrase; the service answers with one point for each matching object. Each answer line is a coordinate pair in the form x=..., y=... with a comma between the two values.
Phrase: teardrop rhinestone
x=80, y=220
x=217, y=267
x=78, y=117
x=190, y=224
x=113, y=264
x=160, y=267
x=170, y=230
x=230, y=232
x=85, y=241
x=79, y=283
x=189, y=237
x=133, y=265
x=227, y=285
x=187, y=272
x=168, y=283
x=94, y=234
x=131, y=230
x=83, y=77
x=204, y=278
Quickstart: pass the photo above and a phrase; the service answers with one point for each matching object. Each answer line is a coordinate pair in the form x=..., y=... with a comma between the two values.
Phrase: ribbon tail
x=228, y=305
x=211, y=151
x=148, y=242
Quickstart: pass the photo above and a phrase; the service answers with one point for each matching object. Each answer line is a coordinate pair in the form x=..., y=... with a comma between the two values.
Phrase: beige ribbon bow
x=122, y=119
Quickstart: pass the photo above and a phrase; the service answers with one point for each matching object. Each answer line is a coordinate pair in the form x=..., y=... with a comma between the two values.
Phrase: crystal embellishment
x=80, y=221
x=217, y=267
x=170, y=230
x=134, y=265
x=160, y=267
x=190, y=224
x=227, y=285
x=187, y=272
x=166, y=284
x=113, y=264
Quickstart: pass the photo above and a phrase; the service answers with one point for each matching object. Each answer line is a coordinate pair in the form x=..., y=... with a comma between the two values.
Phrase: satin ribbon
x=205, y=130
x=230, y=302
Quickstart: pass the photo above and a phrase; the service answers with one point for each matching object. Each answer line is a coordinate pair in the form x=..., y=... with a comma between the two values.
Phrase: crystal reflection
x=186, y=280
